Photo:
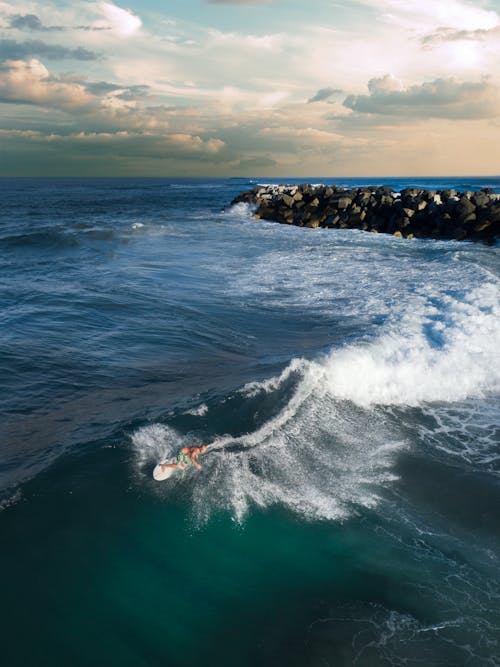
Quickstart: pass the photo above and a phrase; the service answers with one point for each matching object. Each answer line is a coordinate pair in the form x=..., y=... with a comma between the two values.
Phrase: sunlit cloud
x=239, y=2
x=30, y=83
x=442, y=98
x=306, y=88
x=125, y=22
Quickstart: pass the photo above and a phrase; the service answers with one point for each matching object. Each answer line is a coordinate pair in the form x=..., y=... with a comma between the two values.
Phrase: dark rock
x=481, y=226
x=494, y=213
x=480, y=198
x=412, y=213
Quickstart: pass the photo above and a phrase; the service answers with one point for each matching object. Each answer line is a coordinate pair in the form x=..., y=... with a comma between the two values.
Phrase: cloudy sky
x=255, y=87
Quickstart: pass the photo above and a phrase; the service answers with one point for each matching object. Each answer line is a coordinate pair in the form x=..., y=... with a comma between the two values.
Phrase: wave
x=199, y=411
x=41, y=239
x=332, y=447
x=445, y=349
x=242, y=209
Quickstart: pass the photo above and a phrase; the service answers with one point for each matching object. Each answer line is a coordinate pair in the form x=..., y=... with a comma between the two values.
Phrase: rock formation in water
x=413, y=212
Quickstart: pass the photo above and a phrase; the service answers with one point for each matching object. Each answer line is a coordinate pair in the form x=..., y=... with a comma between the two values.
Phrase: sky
x=250, y=88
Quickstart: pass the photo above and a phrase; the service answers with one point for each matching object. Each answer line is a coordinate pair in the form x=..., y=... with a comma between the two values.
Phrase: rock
x=464, y=208
x=480, y=227
x=480, y=198
x=313, y=223
x=412, y=213
x=494, y=213
x=470, y=218
x=344, y=202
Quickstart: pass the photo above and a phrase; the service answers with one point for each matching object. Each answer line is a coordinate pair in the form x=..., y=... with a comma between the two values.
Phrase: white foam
x=155, y=443
x=10, y=500
x=445, y=351
x=313, y=458
x=468, y=431
x=199, y=411
x=325, y=454
x=242, y=209
x=252, y=389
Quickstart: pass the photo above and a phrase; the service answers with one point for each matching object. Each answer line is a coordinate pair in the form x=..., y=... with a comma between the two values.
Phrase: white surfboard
x=160, y=474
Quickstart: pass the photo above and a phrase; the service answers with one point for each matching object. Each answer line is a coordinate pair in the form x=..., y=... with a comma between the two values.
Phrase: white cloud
x=424, y=13
x=30, y=83
x=232, y=88
x=123, y=20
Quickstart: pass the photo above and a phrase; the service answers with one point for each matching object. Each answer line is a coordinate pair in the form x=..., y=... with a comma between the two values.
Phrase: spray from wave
x=331, y=448
x=446, y=350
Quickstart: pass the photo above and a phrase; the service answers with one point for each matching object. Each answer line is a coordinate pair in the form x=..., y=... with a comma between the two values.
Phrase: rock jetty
x=411, y=213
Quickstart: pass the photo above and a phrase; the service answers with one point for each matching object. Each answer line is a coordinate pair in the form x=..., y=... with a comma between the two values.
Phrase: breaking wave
x=332, y=447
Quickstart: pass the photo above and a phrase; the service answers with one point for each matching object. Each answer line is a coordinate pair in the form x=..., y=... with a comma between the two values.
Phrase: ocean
x=348, y=511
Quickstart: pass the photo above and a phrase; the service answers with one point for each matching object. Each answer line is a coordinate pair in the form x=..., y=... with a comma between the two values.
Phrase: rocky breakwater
x=411, y=213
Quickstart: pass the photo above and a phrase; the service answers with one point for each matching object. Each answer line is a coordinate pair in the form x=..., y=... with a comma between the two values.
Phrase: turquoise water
x=348, y=383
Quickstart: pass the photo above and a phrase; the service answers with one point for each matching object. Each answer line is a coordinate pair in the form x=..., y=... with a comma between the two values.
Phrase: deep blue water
x=348, y=384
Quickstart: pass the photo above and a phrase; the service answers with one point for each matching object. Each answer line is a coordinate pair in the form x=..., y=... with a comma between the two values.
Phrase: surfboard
x=159, y=475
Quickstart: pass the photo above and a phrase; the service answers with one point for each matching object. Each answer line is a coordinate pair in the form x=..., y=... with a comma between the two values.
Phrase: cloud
x=442, y=98
x=12, y=50
x=122, y=144
x=428, y=13
x=239, y=2
x=33, y=22
x=308, y=138
x=450, y=35
x=323, y=94
x=123, y=21
x=30, y=83
x=178, y=83
x=30, y=22
x=257, y=162
x=122, y=92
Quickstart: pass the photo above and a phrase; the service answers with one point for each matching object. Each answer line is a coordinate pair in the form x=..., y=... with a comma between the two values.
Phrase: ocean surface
x=348, y=511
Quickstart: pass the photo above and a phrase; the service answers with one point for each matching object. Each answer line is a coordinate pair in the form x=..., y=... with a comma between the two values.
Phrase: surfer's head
x=203, y=449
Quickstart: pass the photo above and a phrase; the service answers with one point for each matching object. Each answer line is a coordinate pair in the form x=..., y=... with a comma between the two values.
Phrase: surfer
x=186, y=456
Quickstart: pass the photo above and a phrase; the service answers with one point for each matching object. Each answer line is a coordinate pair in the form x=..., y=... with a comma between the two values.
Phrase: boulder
x=481, y=226
x=412, y=213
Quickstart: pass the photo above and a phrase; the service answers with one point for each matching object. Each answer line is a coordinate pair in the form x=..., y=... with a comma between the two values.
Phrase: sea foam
x=331, y=448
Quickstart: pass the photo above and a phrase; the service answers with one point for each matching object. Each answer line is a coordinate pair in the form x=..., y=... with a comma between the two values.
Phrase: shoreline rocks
x=411, y=213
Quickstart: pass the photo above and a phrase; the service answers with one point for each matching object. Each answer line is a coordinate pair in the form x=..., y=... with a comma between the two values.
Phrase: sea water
x=347, y=383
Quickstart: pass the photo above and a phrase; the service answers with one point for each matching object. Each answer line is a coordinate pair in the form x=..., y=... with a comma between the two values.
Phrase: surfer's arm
x=194, y=461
